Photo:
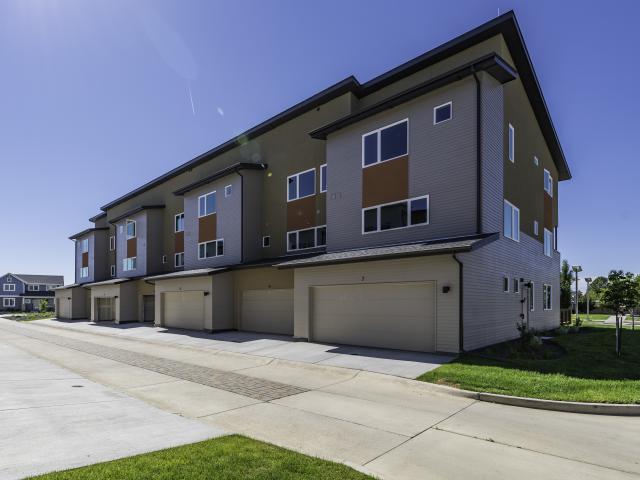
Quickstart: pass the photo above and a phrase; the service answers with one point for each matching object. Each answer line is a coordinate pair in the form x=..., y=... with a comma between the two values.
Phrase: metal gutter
x=478, y=153
x=461, y=304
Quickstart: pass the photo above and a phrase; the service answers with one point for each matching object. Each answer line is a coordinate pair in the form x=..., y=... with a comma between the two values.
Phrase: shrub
x=563, y=330
x=44, y=306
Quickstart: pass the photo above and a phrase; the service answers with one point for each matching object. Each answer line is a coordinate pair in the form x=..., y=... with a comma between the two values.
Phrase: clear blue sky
x=94, y=99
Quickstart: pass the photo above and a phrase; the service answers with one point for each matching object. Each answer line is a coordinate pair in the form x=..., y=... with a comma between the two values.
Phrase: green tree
x=620, y=296
x=596, y=289
x=44, y=305
x=566, y=282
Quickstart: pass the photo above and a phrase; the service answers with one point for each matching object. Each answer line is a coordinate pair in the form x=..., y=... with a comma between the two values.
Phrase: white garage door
x=183, y=310
x=268, y=311
x=386, y=315
x=106, y=309
x=63, y=307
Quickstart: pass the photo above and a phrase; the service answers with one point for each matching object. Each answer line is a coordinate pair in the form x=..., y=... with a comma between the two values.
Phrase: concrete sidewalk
x=389, y=426
x=53, y=419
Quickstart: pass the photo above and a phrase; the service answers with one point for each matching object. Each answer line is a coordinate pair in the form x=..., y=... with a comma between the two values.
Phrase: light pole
x=577, y=269
x=588, y=280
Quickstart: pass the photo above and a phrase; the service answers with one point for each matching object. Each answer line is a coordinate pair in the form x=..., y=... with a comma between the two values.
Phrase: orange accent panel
x=85, y=259
x=301, y=213
x=548, y=212
x=207, y=228
x=132, y=247
x=178, y=243
x=385, y=182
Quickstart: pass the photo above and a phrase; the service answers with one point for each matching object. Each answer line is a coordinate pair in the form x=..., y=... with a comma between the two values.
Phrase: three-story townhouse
x=416, y=211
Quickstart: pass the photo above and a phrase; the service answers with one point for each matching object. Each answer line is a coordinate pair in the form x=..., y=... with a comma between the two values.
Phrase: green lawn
x=590, y=371
x=592, y=316
x=224, y=458
x=28, y=317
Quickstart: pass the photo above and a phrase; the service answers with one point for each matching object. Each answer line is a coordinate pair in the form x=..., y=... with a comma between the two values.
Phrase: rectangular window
x=536, y=162
x=266, y=241
x=113, y=270
x=33, y=288
x=548, y=182
x=164, y=259
x=112, y=243
x=9, y=279
x=307, y=238
x=214, y=248
x=511, y=221
x=385, y=143
x=178, y=260
x=548, y=242
x=8, y=302
x=301, y=185
x=512, y=144
x=10, y=287
x=27, y=301
x=323, y=178
x=206, y=204
x=535, y=227
x=505, y=284
x=228, y=190
x=442, y=113
x=178, y=223
x=516, y=285
x=546, y=297
x=129, y=264
x=532, y=296
x=84, y=272
x=555, y=238
x=84, y=245
x=408, y=213
x=131, y=228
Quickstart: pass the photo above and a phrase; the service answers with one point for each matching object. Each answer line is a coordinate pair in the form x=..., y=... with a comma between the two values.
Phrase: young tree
x=620, y=296
x=597, y=288
x=566, y=282
x=44, y=305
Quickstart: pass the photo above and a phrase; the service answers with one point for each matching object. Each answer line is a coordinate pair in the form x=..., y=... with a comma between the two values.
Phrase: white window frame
x=27, y=301
x=547, y=292
x=379, y=143
x=9, y=279
x=506, y=282
x=135, y=228
x=200, y=215
x=84, y=245
x=84, y=272
x=266, y=241
x=548, y=182
x=409, y=224
x=323, y=176
x=535, y=228
x=297, y=177
x=9, y=287
x=112, y=243
x=113, y=270
x=33, y=288
x=548, y=243
x=228, y=190
x=514, y=231
x=512, y=144
x=129, y=264
x=297, y=232
x=164, y=259
x=536, y=162
x=532, y=296
x=216, y=249
x=450, y=103
x=176, y=256
x=516, y=285
x=9, y=302
x=175, y=222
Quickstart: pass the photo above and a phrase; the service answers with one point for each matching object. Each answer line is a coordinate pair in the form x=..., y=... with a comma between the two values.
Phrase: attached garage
x=184, y=309
x=267, y=311
x=385, y=315
x=63, y=307
x=148, y=308
x=106, y=309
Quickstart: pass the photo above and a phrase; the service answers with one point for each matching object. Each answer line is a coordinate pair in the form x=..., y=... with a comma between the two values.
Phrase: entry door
x=149, y=304
x=386, y=315
x=106, y=309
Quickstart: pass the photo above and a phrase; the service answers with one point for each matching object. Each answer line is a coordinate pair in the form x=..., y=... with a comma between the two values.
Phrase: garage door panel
x=267, y=311
x=386, y=315
x=184, y=310
x=106, y=309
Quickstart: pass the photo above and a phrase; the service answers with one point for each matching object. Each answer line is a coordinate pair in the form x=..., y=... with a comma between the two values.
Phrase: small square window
x=228, y=190
x=266, y=241
x=442, y=113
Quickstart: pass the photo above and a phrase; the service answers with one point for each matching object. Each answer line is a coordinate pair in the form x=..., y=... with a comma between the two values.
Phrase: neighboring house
x=416, y=211
x=25, y=292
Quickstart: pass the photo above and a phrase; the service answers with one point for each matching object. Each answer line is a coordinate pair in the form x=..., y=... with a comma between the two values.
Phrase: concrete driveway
x=385, y=425
x=52, y=419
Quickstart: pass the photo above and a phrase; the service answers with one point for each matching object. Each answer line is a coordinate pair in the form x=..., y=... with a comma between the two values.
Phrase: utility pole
x=588, y=280
x=577, y=269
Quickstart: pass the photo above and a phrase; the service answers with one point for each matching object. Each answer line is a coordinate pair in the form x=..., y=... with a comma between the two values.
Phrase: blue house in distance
x=20, y=292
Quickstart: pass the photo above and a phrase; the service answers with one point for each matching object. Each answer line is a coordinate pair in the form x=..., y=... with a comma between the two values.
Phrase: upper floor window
x=266, y=241
x=511, y=221
x=535, y=227
x=301, y=185
x=307, y=238
x=536, y=162
x=112, y=243
x=9, y=287
x=207, y=204
x=113, y=270
x=214, y=248
x=548, y=242
x=516, y=285
x=547, y=303
x=178, y=259
x=178, y=225
x=9, y=279
x=548, y=182
x=505, y=284
x=442, y=113
x=385, y=143
x=129, y=264
x=84, y=245
x=512, y=143
x=84, y=272
x=407, y=213
x=33, y=288
x=323, y=178
x=131, y=228
x=228, y=190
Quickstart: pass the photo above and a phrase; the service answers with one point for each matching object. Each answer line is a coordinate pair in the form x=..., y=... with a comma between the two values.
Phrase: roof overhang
x=113, y=281
x=442, y=246
x=220, y=174
x=68, y=287
x=98, y=217
x=201, y=272
x=85, y=232
x=133, y=211
x=493, y=64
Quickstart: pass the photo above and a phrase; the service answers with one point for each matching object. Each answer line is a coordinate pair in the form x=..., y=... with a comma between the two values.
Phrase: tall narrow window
x=511, y=221
x=179, y=223
x=112, y=243
x=548, y=182
x=547, y=303
x=131, y=228
x=323, y=178
x=512, y=144
x=532, y=296
x=178, y=260
x=548, y=242
x=84, y=245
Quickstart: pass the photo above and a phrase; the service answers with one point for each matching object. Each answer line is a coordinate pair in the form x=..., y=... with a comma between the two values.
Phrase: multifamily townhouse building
x=22, y=292
x=416, y=211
